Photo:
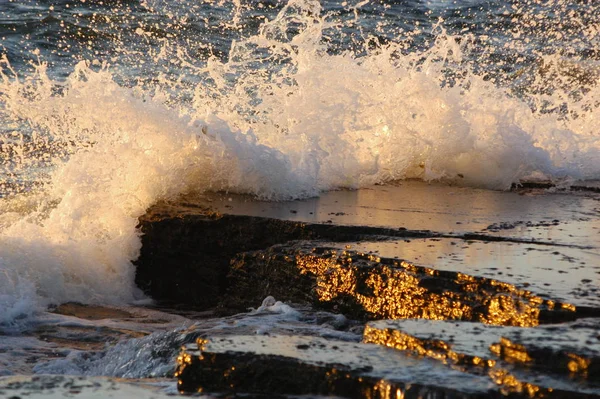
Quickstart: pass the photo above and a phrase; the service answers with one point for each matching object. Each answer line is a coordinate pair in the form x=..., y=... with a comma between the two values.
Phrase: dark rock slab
x=187, y=248
x=564, y=274
x=592, y=186
x=562, y=357
x=185, y=255
x=365, y=286
x=288, y=365
x=571, y=349
x=188, y=244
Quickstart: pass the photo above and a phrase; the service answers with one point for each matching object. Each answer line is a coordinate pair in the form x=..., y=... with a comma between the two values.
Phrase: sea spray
x=356, y=120
x=285, y=114
x=127, y=152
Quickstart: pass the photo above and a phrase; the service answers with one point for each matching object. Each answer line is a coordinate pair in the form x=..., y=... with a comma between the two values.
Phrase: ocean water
x=109, y=106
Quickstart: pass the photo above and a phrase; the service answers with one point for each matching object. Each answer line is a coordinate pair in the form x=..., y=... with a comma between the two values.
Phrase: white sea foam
x=282, y=118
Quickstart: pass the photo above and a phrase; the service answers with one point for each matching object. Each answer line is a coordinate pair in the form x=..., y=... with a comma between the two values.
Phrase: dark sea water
x=109, y=106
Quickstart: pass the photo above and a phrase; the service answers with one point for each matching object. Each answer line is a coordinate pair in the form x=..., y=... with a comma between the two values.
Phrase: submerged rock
x=296, y=365
x=485, y=327
x=293, y=365
x=544, y=361
x=187, y=249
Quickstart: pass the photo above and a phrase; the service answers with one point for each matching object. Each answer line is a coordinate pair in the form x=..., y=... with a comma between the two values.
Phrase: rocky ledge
x=284, y=365
x=412, y=359
x=460, y=292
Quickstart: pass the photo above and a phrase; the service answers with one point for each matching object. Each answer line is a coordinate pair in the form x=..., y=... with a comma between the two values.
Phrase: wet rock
x=187, y=249
x=544, y=361
x=531, y=267
x=365, y=286
x=188, y=244
x=521, y=223
x=280, y=365
x=235, y=259
x=185, y=258
x=571, y=349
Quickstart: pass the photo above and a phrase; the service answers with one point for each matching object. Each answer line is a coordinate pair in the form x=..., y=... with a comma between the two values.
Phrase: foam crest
x=126, y=152
x=354, y=120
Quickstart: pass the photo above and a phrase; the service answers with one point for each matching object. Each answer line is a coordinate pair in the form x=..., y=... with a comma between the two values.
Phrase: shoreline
x=383, y=266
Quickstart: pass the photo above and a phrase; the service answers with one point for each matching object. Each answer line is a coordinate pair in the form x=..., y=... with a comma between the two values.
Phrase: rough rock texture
x=366, y=286
x=293, y=365
x=208, y=260
x=570, y=350
x=281, y=365
x=187, y=248
x=186, y=251
x=186, y=259
x=473, y=299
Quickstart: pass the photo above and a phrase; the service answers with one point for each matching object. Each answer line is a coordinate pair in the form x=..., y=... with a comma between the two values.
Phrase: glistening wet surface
x=547, y=217
x=569, y=274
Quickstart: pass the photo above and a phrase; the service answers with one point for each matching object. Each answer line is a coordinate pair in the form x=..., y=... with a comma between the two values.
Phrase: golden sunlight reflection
x=395, y=289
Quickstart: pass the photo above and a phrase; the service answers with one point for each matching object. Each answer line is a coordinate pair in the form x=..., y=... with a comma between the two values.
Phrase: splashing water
x=308, y=97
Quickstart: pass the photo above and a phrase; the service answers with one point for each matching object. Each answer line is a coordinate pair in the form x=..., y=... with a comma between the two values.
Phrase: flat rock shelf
x=405, y=290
